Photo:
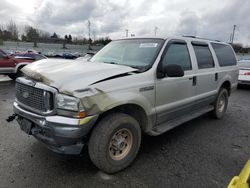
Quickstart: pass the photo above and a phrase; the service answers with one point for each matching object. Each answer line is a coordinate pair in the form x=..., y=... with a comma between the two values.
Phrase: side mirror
x=173, y=70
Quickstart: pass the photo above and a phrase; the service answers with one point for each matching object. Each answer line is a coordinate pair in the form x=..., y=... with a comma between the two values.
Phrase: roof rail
x=192, y=36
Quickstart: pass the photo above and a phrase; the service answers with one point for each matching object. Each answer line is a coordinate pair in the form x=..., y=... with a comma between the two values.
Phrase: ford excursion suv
x=131, y=87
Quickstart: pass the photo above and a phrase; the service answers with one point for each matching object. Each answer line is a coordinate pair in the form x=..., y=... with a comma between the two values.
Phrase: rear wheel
x=220, y=105
x=115, y=142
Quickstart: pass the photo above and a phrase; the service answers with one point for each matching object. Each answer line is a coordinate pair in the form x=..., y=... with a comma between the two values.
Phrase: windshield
x=137, y=53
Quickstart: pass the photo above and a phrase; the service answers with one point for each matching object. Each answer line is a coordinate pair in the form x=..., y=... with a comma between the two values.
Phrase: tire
x=14, y=76
x=115, y=142
x=220, y=104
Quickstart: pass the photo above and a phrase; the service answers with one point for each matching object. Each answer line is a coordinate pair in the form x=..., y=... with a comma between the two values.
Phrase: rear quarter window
x=224, y=54
x=1, y=54
x=203, y=55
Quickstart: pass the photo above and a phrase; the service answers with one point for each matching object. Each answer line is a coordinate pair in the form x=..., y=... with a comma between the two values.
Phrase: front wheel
x=115, y=142
x=220, y=104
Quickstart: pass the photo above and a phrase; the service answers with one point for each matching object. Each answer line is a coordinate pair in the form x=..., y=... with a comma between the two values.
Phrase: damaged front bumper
x=60, y=134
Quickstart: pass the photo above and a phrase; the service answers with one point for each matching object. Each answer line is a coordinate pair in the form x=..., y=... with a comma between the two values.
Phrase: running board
x=159, y=129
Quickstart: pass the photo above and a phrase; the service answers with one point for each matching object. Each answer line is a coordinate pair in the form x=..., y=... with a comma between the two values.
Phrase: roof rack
x=192, y=36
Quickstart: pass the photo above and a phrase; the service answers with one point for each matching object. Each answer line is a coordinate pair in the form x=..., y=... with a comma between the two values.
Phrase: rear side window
x=224, y=54
x=177, y=53
x=203, y=56
x=38, y=57
x=1, y=54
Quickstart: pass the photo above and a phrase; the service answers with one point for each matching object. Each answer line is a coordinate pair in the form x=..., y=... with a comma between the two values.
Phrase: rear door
x=206, y=77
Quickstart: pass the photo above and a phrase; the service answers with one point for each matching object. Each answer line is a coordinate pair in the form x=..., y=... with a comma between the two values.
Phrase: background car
x=244, y=73
x=86, y=56
x=29, y=55
x=11, y=66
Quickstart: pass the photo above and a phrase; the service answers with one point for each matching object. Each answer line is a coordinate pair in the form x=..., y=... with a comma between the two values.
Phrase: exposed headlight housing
x=70, y=106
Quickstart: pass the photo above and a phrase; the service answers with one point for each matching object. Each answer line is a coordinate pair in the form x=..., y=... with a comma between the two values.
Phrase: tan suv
x=130, y=87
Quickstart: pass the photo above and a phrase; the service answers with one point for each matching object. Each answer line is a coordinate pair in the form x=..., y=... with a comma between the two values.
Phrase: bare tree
x=13, y=29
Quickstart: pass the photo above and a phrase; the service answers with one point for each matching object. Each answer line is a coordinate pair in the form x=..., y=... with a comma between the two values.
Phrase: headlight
x=70, y=106
x=67, y=103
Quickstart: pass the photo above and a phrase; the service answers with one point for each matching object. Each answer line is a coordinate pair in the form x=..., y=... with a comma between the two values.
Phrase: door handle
x=194, y=81
x=216, y=76
x=194, y=78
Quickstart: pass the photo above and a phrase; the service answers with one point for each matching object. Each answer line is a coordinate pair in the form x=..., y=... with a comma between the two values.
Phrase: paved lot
x=201, y=153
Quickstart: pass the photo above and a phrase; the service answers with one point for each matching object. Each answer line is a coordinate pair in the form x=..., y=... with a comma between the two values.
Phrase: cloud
x=218, y=23
x=189, y=24
x=105, y=16
x=212, y=19
x=64, y=12
x=5, y=9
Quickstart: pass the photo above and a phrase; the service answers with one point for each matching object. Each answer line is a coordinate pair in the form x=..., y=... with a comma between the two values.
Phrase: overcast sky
x=211, y=19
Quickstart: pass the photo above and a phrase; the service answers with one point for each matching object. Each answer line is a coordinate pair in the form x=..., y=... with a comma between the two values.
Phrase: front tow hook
x=11, y=118
x=35, y=131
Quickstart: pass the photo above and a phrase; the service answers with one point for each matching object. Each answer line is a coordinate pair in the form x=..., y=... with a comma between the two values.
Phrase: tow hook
x=35, y=131
x=11, y=118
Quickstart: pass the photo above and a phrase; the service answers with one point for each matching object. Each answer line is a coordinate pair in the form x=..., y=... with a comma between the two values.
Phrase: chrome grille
x=34, y=98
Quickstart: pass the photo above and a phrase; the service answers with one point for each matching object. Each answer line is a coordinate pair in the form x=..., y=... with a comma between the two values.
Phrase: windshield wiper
x=110, y=62
x=139, y=68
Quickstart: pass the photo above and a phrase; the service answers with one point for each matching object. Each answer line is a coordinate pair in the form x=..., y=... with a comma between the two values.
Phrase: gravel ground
x=201, y=153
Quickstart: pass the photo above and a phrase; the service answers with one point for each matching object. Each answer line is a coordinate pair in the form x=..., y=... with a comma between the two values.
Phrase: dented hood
x=70, y=75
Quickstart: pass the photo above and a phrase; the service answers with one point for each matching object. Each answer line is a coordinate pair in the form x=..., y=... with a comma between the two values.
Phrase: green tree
x=70, y=39
x=32, y=35
x=55, y=36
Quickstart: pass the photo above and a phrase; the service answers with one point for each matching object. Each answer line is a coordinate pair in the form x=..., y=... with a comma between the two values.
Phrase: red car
x=11, y=66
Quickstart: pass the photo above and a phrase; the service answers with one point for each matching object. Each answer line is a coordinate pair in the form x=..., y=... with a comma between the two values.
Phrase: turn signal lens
x=82, y=114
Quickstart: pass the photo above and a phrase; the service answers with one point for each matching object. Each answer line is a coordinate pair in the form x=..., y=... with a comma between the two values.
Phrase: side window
x=1, y=55
x=37, y=57
x=203, y=56
x=224, y=54
x=177, y=53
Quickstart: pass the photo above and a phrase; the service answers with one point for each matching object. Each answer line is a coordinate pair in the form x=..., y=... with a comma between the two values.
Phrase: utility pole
x=126, y=33
x=89, y=24
x=233, y=34
x=230, y=38
x=94, y=35
x=156, y=28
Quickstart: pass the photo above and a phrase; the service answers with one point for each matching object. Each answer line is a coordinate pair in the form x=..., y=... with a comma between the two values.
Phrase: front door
x=175, y=96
